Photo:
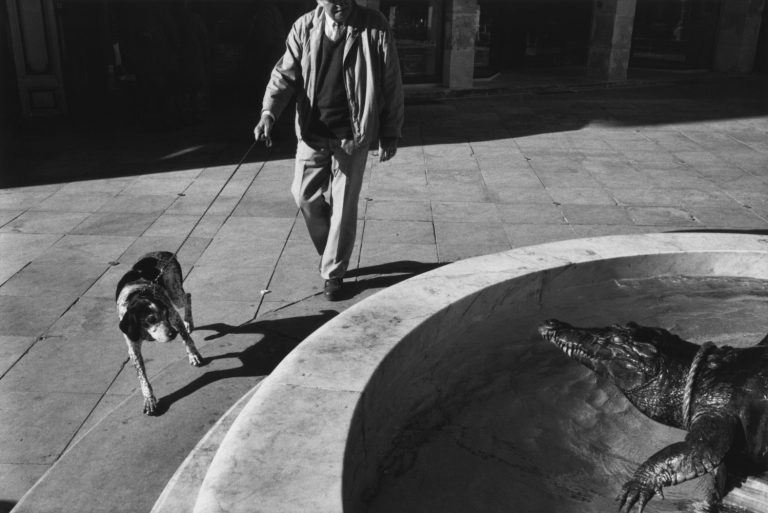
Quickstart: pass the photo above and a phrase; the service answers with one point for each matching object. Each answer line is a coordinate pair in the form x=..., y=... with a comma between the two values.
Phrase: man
x=341, y=63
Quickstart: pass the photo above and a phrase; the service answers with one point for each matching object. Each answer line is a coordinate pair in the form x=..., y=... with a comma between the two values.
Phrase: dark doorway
x=674, y=34
x=531, y=34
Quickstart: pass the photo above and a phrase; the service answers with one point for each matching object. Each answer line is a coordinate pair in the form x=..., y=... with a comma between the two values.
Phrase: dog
x=153, y=307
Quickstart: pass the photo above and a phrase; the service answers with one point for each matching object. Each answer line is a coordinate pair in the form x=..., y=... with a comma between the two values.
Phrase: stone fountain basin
x=361, y=406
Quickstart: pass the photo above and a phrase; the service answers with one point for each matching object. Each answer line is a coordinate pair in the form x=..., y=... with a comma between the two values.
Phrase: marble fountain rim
x=285, y=451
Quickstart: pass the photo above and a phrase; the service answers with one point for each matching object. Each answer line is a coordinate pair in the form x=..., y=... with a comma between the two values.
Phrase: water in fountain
x=549, y=435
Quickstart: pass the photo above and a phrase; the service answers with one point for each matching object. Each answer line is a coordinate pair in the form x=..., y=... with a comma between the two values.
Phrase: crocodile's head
x=631, y=356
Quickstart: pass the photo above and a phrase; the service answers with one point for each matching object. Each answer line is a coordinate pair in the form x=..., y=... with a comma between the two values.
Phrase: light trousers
x=326, y=187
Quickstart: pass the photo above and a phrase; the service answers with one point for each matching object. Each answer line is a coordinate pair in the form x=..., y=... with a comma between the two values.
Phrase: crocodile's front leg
x=704, y=448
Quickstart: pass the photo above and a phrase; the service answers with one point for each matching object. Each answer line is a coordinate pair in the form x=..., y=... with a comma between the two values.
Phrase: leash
x=221, y=189
x=704, y=349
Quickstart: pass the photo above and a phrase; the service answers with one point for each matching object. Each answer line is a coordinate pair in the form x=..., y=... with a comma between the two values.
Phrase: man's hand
x=387, y=148
x=263, y=130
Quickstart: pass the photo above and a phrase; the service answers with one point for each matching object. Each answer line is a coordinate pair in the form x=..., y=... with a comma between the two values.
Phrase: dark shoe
x=332, y=289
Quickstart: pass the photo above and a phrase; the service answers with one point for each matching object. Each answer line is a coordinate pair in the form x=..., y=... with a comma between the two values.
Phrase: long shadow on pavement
x=280, y=337
x=383, y=276
x=400, y=267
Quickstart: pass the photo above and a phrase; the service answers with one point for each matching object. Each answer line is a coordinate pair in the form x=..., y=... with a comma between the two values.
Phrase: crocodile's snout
x=547, y=328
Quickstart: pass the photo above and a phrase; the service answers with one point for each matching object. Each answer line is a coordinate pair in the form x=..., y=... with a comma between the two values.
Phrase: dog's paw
x=195, y=359
x=150, y=405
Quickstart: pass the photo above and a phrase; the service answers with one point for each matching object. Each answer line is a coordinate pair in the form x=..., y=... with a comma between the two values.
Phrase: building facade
x=68, y=56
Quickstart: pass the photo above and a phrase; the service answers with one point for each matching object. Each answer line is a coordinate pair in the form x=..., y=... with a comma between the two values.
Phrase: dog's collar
x=126, y=293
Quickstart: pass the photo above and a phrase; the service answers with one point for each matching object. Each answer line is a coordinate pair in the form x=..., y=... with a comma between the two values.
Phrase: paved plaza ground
x=474, y=175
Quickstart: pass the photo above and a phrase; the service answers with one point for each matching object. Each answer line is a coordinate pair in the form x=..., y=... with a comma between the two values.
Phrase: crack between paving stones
x=15, y=218
x=90, y=413
x=486, y=192
x=43, y=336
x=17, y=272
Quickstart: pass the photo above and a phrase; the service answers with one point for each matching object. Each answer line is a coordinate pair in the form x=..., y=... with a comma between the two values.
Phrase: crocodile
x=719, y=395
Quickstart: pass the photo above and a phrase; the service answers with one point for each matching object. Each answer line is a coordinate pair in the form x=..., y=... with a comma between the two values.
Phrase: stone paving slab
x=576, y=214
x=31, y=316
x=11, y=349
x=169, y=225
x=9, y=215
x=140, y=246
x=464, y=212
x=396, y=210
x=528, y=234
x=266, y=207
x=82, y=366
x=42, y=222
x=470, y=233
x=25, y=247
x=9, y=267
x=259, y=228
x=85, y=249
x=291, y=282
x=14, y=200
x=400, y=232
x=38, y=427
x=236, y=252
x=17, y=479
x=74, y=201
x=219, y=282
x=42, y=277
x=115, y=223
x=531, y=213
x=138, y=203
x=141, y=440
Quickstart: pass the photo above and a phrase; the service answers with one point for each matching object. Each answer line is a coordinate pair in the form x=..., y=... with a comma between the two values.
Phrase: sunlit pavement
x=473, y=175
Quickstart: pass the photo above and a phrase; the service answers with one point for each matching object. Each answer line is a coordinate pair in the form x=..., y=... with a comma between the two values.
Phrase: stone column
x=738, y=34
x=611, y=39
x=461, y=23
x=35, y=43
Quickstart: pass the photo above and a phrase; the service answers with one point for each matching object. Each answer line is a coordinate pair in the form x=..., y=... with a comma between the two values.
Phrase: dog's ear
x=131, y=326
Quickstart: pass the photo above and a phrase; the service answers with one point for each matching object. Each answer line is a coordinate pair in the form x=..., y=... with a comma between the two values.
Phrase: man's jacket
x=370, y=68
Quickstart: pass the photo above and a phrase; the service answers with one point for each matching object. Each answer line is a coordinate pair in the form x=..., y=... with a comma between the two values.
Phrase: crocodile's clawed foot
x=636, y=492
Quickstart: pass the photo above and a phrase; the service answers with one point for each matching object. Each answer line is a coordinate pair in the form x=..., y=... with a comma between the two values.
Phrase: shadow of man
x=383, y=275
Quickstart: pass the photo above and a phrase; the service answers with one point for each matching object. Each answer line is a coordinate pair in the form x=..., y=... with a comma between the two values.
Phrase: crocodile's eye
x=618, y=339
